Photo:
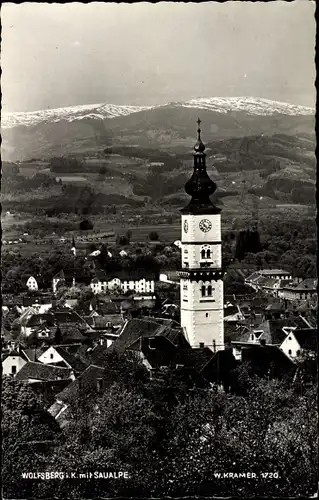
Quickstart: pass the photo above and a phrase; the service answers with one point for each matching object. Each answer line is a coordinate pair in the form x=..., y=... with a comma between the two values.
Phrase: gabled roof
x=269, y=283
x=39, y=371
x=85, y=382
x=174, y=333
x=265, y=358
x=253, y=276
x=69, y=332
x=125, y=275
x=34, y=354
x=26, y=315
x=307, y=284
x=75, y=363
x=67, y=315
x=233, y=332
x=307, y=338
x=273, y=332
x=275, y=307
x=132, y=330
x=267, y=272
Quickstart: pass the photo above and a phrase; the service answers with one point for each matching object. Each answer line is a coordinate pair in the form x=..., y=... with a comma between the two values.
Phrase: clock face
x=205, y=225
x=186, y=226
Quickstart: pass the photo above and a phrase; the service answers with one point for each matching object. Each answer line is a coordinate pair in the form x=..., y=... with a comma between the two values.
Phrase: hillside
x=170, y=127
x=267, y=170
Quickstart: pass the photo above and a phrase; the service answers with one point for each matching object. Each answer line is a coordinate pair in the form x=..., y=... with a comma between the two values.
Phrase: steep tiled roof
x=234, y=332
x=34, y=354
x=265, y=358
x=195, y=358
x=39, y=371
x=132, y=330
x=70, y=332
x=127, y=275
x=75, y=363
x=307, y=284
x=276, y=307
x=273, y=332
x=307, y=338
x=86, y=381
x=100, y=322
x=267, y=272
x=253, y=276
x=66, y=315
x=269, y=283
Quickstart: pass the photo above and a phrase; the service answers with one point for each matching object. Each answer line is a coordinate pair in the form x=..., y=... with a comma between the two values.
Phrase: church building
x=201, y=275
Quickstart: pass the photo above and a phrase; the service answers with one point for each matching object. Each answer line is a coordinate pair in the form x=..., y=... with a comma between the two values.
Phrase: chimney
x=201, y=345
x=263, y=342
x=99, y=384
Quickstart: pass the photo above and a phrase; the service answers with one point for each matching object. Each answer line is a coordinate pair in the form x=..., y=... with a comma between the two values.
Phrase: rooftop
x=39, y=371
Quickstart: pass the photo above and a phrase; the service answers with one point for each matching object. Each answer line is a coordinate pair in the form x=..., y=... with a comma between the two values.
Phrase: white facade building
x=201, y=276
x=32, y=284
x=141, y=285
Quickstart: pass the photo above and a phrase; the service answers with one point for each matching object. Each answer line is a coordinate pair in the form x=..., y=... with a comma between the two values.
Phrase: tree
x=86, y=225
x=153, y=236
x=25, y=425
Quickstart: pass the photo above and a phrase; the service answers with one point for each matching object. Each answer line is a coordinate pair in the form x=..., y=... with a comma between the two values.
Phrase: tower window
x=203, y=253
x=203, y=290
x=208, y=254
x=209, y=290
x=206, y=315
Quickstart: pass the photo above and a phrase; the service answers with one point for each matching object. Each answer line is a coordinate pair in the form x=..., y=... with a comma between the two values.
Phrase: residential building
x=299, y=341
x=139, y=281
x=32, y=284
x=258, y=278
x=304, y=290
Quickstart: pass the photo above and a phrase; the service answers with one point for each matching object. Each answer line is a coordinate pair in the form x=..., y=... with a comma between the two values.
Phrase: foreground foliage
x=169, y=436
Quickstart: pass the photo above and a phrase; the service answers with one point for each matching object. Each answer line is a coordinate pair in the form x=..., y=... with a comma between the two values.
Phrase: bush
x=153, y=236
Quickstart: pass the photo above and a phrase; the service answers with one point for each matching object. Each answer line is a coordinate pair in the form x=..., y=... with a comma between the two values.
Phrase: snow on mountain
x=71, y=113
x=248, y=105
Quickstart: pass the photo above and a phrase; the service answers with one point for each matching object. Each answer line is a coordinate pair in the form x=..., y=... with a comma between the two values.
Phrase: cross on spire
x=199, y=130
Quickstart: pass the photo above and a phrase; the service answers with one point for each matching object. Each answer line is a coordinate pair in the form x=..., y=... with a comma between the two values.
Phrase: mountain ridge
x=101, y=111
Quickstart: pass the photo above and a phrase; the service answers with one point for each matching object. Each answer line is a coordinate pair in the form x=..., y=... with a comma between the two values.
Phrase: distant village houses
x=124, y=282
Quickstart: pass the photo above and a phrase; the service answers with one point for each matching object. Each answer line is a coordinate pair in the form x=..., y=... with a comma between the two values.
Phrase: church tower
x=201, y=276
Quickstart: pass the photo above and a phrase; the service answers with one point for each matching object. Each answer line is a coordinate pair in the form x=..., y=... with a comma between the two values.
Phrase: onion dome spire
x=199, y=146
x=200, y=187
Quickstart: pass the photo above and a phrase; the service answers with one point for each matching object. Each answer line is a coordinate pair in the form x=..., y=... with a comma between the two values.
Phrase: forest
x=169, y=435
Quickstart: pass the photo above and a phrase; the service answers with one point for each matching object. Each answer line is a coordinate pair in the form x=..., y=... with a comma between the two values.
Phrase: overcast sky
x=61, y=55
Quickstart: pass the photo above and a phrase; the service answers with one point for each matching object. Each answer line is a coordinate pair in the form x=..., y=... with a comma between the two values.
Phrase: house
x=58, y=355
x=33, y=372
x=32, y=284
x=169, y=277
x=30, y=321
x=204, y=366
x=299, y=341
x=13, y=362
x=304, y=290
x=275, y=310
x=139, y=281
x=92, y=382
x=41, y=304
x=271, y=332
x=252, y=280
x=268, y=360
